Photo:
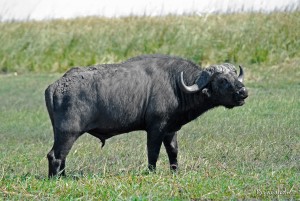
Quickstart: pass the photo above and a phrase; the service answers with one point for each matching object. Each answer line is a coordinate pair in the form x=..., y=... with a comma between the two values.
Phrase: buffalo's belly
x=105, y=132
x=114, y=123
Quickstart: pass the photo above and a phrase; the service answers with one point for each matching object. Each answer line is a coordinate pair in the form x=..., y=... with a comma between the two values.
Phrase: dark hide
x=142, y=93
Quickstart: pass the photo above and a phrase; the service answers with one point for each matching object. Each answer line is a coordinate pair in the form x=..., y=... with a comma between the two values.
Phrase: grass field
x=248, y=152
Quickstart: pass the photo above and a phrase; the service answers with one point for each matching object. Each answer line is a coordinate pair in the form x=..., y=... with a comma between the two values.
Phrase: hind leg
x=63, y=143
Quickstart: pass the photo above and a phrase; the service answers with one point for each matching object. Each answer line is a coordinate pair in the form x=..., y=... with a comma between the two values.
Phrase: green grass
x=240, y=38
x=248, y=152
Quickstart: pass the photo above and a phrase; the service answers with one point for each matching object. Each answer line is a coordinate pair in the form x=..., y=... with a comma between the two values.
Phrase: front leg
x=154, y=142
x=170, y=142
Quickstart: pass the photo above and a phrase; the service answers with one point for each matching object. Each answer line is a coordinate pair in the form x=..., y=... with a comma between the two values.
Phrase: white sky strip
x=53, y=9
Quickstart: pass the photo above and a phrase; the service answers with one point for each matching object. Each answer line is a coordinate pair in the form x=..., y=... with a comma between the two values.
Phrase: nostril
x=243, y=92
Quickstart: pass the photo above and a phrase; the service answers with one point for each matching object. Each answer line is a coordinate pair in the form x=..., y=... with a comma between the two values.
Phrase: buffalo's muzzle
x=241, y=95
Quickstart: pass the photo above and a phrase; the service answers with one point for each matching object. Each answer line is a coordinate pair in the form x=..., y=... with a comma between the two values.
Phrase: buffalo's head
x=221, y=84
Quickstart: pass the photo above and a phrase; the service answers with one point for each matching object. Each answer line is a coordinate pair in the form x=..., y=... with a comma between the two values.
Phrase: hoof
x=174, y=167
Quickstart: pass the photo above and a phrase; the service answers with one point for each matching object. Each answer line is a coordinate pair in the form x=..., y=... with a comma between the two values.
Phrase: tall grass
x=54, y=46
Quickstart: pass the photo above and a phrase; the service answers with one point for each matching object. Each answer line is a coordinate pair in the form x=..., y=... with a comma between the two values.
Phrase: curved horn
x=241, y=75
x=188, y=89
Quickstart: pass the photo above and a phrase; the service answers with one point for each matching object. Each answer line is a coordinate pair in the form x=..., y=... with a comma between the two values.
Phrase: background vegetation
x=248, y=152
x=54, y=46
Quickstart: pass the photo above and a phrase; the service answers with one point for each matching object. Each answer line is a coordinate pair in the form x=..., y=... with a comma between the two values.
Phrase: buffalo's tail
x=49, y=102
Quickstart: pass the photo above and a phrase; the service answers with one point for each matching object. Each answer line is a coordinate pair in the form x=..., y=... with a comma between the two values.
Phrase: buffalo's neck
x=193, y=105
x=190, y=107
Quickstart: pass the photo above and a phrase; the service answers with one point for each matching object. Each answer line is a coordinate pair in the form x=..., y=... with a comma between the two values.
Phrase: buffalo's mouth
x=240, y=96
x=236, y=102
x=240, y=102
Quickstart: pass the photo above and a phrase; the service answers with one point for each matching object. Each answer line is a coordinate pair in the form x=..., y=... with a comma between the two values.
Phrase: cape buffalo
x=155, y=93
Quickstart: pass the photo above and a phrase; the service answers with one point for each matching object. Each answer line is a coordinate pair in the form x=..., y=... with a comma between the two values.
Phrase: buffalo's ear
x=206, y=91
x=203, y=79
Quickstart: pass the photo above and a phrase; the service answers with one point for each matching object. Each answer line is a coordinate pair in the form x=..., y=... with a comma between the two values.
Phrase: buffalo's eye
x=223, y=82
